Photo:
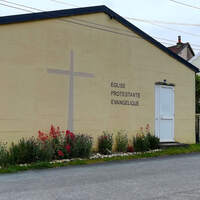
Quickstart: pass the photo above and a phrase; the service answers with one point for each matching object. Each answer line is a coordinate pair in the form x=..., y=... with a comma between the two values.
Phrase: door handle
x=166, y=118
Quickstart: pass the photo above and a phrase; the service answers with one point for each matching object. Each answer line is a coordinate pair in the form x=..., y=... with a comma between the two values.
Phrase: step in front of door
x=164, y=145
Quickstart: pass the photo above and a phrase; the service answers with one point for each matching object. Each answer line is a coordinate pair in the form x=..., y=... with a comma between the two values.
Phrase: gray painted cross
x=71, y=74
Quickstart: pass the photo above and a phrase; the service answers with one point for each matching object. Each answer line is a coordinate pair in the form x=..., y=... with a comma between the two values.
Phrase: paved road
x=170, y=178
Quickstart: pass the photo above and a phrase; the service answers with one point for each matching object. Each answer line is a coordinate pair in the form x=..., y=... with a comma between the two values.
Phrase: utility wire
x=136, y=19
x=15, y=7
x=176, y=30
x=169, y=28
x=87, y=22
x=171, y=44
x=184, y=4
x=161, y=22
x=21, y=5
x=155, y=23
x=69, y=4
x=174, y=41
x=78, y=22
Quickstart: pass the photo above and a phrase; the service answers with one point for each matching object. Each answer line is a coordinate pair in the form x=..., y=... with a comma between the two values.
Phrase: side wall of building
x=184, y=53
x=33, y=99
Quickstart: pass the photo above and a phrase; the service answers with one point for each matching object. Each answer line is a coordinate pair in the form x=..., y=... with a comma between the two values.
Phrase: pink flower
x=42, y=136
x=58, y=131
x=54, y=132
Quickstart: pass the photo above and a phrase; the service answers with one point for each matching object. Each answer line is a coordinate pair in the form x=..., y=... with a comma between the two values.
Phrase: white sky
x=165, y=10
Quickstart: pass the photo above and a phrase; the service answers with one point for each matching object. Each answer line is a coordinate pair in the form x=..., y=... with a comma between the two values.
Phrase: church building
x=90, y=70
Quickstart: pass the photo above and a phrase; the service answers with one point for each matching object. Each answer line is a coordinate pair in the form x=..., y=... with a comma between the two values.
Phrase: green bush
x=121, y=141
x=147, y=142
x=30, y=150
x=140, y=144
x=23, y=152
x=4, y=161
x=65, y=144
x=153, y=141
x=46, y=151
x=105, y=143
x=82, y=146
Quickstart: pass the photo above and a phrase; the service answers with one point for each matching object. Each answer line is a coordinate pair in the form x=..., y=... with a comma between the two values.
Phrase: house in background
x=196, y=60
x=184, y=50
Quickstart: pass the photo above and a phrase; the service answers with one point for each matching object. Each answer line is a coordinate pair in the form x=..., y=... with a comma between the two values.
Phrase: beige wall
x=32, y=99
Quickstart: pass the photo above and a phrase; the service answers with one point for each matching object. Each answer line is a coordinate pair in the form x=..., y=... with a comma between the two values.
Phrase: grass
x=44, y=165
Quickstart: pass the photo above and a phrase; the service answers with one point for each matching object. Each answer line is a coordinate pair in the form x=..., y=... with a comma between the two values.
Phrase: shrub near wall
x=28, y=151
x=68, y=145
x=55, y=144
x=144, y=141
x=121, y=141
x=3, y=154
x=105, y=143
x=83, y=146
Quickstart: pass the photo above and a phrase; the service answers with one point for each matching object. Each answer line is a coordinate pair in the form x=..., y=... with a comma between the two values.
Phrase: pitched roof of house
x=90, y=10
x=179, y=47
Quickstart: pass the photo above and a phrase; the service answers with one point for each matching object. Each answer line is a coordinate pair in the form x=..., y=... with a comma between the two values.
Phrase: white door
x=164, y=113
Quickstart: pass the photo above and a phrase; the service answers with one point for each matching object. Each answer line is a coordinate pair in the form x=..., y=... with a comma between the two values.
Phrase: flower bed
x=99, y=158
x=64, y=146
x=94, y=157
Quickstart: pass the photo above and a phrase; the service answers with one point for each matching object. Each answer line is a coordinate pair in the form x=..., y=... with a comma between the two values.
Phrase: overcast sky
x=151, y=10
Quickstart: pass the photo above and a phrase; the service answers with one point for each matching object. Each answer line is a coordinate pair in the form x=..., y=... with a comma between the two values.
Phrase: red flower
x=60, y=153
x=42, y=136
x=58, y=131
x=68, y=133
x=40, y=133
x=54, y=132
x=130, y=149
x=68, y=148
x=72, y=136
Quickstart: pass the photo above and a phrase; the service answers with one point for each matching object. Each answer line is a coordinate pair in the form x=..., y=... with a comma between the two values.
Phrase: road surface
x=169, y=178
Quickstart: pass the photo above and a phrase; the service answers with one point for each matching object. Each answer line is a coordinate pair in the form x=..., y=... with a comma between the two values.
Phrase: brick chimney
x=179, y=40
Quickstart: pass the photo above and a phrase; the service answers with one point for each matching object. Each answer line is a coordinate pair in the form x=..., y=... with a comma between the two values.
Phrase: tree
x=197, y=94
